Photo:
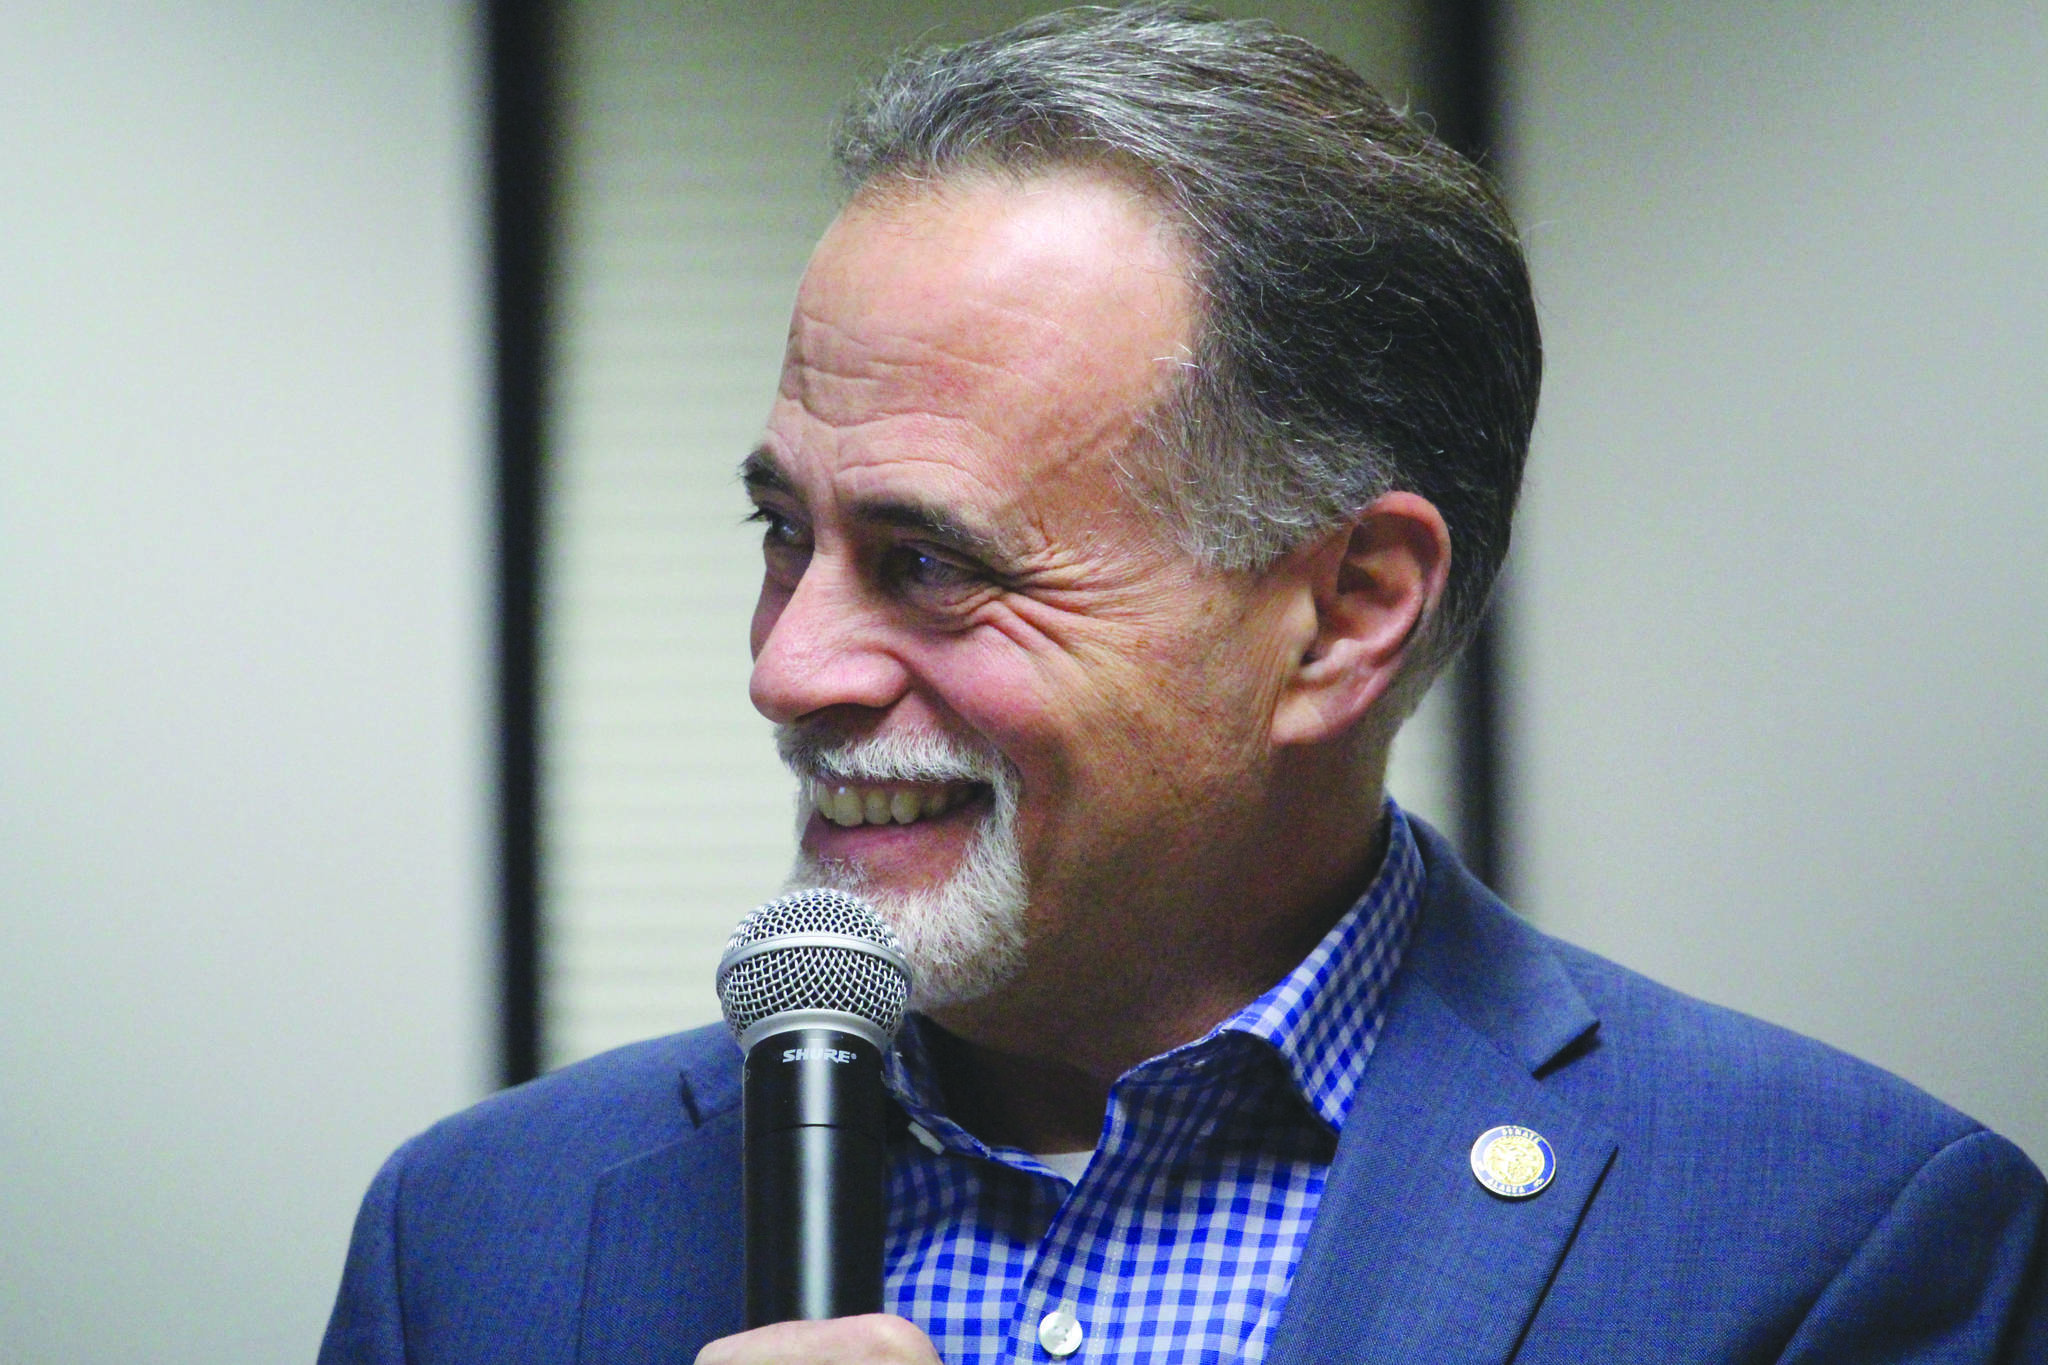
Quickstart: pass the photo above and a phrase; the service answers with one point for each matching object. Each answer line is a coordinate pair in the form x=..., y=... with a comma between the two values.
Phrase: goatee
x=964, y=937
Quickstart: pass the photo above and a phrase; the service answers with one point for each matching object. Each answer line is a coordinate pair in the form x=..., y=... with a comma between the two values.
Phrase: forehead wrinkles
x=968, y=355
x=1047, y=398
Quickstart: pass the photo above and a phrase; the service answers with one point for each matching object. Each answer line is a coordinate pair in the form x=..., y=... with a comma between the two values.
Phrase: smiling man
x=1102, y=788
x=1147, y=438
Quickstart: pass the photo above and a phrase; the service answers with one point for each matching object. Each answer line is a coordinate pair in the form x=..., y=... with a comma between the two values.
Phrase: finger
x=872, y=1339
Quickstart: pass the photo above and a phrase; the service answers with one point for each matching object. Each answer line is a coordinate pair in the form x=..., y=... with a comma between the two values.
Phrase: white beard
x=964, y=937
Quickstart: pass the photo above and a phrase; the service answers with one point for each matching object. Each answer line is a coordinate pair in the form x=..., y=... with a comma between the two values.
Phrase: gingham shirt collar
x=1322, y=1019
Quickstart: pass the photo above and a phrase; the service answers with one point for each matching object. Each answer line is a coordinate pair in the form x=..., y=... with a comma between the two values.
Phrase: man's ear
x=1372, y=583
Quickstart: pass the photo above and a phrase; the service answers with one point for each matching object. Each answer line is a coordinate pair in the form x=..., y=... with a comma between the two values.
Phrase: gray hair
x=1367, y=322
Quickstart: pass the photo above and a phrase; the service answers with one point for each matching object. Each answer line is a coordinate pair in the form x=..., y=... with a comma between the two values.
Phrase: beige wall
x=244, y=773
x=1783, y=610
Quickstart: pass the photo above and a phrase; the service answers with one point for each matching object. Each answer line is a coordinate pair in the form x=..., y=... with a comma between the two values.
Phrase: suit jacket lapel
x=1410, y=1257
x=665, y=1272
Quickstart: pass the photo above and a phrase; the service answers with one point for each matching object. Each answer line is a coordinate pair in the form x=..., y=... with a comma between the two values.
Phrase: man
x=1148, y=435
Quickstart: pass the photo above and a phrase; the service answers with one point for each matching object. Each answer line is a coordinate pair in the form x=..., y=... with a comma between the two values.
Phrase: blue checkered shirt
x=1180, y=1241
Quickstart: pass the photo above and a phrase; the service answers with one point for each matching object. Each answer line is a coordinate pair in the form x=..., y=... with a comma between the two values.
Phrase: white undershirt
x=1071, y=1165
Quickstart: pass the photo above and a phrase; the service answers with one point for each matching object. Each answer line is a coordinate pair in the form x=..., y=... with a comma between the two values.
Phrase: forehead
x=996, y=330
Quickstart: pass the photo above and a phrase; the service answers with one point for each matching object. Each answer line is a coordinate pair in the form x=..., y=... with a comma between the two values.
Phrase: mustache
x=913, y=756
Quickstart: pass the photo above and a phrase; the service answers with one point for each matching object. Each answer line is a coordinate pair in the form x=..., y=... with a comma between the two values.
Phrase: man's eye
x=922, y=573
x=778, y=531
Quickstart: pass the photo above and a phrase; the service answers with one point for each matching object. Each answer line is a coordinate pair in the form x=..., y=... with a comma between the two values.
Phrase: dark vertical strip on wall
x=1462, y=49
x=519, y=54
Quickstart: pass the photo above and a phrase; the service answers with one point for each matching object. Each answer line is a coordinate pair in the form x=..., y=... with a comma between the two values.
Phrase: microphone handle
x=813, y=1176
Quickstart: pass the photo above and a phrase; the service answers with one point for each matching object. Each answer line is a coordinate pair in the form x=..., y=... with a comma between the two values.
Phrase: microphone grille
x=839, y=956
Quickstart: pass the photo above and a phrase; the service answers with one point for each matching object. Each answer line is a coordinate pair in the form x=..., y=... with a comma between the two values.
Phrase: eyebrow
x=762, y=474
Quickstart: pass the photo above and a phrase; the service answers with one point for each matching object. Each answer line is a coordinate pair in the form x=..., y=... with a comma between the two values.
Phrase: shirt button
x=1059, y=1332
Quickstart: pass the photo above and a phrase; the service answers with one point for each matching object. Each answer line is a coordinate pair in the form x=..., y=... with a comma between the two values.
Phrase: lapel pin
x=1512, y=1161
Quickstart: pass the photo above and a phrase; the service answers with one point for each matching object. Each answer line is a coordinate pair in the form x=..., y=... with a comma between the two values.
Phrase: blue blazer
x=1725, y=1192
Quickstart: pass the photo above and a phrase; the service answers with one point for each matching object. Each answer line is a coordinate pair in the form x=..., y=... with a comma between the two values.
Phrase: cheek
x=1067, y=717
x=996, y=690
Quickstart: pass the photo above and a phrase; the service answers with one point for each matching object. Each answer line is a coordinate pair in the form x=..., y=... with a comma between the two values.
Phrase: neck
x=1012, y=1099
x=1031, y=1066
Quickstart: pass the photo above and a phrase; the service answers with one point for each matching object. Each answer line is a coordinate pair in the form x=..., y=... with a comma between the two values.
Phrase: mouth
x=852, y=804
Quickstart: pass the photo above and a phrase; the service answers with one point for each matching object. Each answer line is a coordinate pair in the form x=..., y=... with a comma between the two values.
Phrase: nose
x=822, y=644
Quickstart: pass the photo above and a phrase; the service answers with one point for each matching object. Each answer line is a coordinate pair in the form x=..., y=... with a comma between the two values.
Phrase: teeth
x=848, y=806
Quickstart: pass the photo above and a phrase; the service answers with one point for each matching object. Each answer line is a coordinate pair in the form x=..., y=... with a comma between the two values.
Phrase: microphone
x=814, y=986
